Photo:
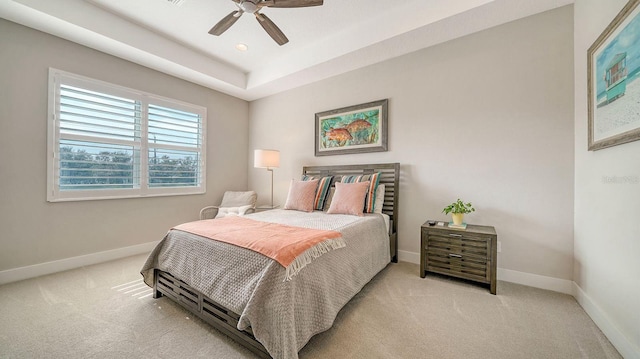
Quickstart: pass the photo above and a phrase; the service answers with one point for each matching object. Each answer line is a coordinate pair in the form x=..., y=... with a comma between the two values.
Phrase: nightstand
x=469, y=254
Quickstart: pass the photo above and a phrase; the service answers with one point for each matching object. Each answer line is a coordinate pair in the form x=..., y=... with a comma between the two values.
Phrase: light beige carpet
x=104, y=311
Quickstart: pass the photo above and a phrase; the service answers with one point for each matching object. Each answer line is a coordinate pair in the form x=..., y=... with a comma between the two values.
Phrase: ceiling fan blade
x=225, y=23
x=276, y=34
x=292, y=3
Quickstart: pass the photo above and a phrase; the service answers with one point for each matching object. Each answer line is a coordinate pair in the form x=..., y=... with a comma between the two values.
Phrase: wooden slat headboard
x=390, y=177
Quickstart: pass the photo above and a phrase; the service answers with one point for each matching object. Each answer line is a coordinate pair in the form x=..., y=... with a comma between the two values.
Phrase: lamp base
x=271, y=169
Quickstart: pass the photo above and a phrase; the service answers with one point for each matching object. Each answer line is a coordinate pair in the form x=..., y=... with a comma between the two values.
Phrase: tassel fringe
x=312, y=253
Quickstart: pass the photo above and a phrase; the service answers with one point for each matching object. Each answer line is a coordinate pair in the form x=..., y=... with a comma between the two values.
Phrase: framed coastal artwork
x=613, y=63
x=354, y=129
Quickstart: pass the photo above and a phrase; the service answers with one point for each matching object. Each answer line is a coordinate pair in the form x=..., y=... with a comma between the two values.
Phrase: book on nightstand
x=457, y=226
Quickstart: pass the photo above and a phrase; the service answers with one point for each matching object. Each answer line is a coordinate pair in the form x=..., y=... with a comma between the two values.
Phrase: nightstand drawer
x=458, y=266
x=453, y=255
x=477, y=248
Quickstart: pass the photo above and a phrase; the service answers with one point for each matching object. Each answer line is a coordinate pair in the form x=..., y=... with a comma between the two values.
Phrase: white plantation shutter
x=112, y=142
x=99, y=135
x=175, y=142
x=92, y=114
x=94, y=165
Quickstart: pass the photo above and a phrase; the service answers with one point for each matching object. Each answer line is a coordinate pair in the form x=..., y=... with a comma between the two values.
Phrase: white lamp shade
x=266, y=159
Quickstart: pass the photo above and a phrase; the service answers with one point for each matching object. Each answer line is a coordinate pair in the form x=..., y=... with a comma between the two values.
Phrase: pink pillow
x=349, y=198
x=302, y=195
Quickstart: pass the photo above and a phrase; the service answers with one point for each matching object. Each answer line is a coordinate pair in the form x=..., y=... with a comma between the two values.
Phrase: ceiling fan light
x=248, y=6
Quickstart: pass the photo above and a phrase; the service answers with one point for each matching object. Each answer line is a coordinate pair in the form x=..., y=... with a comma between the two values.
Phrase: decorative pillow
x=349, y=198
x=233, y=211
x=327, y=202
x=301, y=195
x=377, y=208
x=324, y=183
x=373, y=180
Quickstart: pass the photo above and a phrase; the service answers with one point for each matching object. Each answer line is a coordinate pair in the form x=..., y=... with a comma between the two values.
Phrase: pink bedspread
x=279, y=242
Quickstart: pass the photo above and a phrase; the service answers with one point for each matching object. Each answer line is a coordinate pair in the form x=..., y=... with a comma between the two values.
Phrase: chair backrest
x=239, y=198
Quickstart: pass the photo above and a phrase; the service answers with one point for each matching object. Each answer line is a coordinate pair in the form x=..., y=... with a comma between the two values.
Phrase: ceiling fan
x=253, y=7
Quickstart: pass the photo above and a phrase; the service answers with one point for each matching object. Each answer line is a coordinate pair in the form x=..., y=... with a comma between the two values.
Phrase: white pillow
x=233, y=211
x=379, y=200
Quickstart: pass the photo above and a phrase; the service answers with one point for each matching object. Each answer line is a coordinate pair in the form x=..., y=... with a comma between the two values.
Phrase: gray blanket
x=283, y=315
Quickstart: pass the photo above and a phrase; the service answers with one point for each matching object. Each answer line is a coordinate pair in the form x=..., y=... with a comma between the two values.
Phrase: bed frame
x=227, y=321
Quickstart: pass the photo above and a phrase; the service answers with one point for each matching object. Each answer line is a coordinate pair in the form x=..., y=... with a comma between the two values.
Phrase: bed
x=244, y=294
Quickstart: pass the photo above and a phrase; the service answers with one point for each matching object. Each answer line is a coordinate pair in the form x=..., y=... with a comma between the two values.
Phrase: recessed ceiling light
x=242, y=47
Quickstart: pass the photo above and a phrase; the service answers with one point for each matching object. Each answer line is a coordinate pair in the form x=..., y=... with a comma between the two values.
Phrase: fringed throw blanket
x=292, y=247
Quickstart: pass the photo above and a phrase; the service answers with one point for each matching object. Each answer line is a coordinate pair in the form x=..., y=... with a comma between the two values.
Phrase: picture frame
x=613, y=63
x=355, y=129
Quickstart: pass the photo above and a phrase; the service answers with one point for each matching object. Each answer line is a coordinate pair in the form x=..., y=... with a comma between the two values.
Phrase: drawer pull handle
x=455, y=235
x=455, y=255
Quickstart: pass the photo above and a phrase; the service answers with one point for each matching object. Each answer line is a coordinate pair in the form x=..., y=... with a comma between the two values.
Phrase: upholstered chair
x=234, y=203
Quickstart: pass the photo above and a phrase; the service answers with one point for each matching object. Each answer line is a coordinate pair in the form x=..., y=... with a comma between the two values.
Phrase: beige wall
x=33, y=231
x=607, y=226
x=487, y=117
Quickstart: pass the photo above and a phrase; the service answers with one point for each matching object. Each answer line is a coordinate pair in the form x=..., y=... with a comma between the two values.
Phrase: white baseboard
x=535, y=280
x=508, y=275
x=625, y=347
x=411, y=257
x=36, y=270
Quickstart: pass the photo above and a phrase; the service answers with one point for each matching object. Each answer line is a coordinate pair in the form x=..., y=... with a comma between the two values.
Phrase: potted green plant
x=457, y=210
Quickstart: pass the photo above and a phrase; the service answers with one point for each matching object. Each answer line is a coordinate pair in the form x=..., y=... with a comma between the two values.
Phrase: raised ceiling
x=324, y=41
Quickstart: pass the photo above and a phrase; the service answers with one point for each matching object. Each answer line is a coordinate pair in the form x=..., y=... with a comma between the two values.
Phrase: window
x=107, y=141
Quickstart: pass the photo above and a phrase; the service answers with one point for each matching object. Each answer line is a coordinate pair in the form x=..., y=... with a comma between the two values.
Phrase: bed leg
x=156, y=292
x=393, y=247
